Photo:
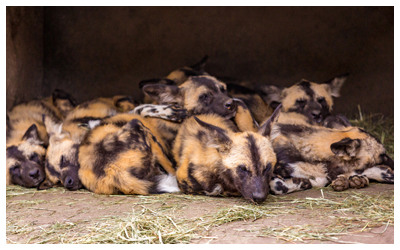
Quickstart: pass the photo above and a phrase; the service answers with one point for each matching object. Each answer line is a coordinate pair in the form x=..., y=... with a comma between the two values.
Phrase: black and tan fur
x=27, y=139
x=213, y=158
x=257, y=106
x=315, y=156
x=177, y=77
x=124, y=155
x=198, y=95
x=130, y=154
x=64, y=101
x=308, y=101
x=61, y=163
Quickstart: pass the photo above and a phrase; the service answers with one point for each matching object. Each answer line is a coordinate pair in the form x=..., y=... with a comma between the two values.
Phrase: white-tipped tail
x=168, y=184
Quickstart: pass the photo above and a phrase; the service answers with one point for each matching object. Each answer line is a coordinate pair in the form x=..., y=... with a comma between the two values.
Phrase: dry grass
x=379, y=126
x=153, y=219
x=348, y=212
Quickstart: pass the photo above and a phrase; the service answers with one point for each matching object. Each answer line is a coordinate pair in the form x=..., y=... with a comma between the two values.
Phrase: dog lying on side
x=314, y=156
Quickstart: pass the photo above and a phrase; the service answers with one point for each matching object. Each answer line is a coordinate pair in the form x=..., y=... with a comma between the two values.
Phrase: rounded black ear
x=216, y=137
x=199, y=66
x=31, y=133
x=271, y=94
x=163, y=94
x=346, y=147
x=164, y=81
x=266, y=128
x=61, y=94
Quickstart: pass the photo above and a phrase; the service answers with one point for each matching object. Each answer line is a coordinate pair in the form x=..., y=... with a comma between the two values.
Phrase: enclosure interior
x=104, y=51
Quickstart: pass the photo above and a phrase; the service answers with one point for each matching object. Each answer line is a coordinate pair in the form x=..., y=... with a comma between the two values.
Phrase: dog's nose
x=230, y=104
x=34, y=174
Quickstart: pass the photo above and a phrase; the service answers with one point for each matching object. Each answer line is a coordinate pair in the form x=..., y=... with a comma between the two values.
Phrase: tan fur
x=320, y=154
x=312, y=100
x=208, y=161
x=259, y=110
x=63, y=137
x=291, y=94
x=28, y=148
x=244, y=120
x=117, y=177
x=186, y=96
x=21, y=118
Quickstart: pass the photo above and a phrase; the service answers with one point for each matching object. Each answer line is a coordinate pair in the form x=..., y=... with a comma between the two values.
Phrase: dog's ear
x=216, y=137
x=164, y=81
x=199, y=66
x=334, y=85
x=347, y=148
x=271, y=94
x=266, y=128
x=32, y=135
x=164, y=94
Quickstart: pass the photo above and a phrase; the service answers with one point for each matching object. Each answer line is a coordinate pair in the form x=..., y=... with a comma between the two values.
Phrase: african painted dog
x=64, y=101
x=307, y=101
x=315, y=156
x=258, y=108
x=198, y=95
x=177, y=77
x=124, y=154
x=214, y=158
x=61, y=163
x=26, y=139
x=205, y=93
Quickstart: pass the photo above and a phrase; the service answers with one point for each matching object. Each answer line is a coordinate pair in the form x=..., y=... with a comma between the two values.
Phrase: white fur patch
x=93, y=123
x=275, y=132
x=216, y=191
x=147, y=110
x=319, y=182
x=168, y=184
x=288, y=183
x=374, y=173
x=57, y=128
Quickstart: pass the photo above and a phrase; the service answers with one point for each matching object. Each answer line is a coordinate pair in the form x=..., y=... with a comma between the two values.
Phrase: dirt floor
x=312, y=216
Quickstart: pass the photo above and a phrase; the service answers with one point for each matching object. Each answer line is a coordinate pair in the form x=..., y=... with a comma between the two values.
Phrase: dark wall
x=103, y=51
x=24, y=48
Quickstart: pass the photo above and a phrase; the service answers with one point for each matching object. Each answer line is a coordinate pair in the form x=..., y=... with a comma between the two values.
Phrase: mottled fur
x=177, y=77
x=315, y=156
x=257, y=106
x=168, y=112
x=214, y=159
x=313, y=101
x=124, y=154
x=198, y=95
x=61, y=163
x=27, y=139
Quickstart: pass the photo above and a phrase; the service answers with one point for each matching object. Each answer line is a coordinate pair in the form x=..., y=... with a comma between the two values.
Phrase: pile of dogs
x=195, y=134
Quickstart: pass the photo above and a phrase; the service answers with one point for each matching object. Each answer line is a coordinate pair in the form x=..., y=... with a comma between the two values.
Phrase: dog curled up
x=214, y=158
x=315, y=156
x=61, y=164
x=308, y=101
x=124, y=155
x=176, y=77
x=27, y=139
